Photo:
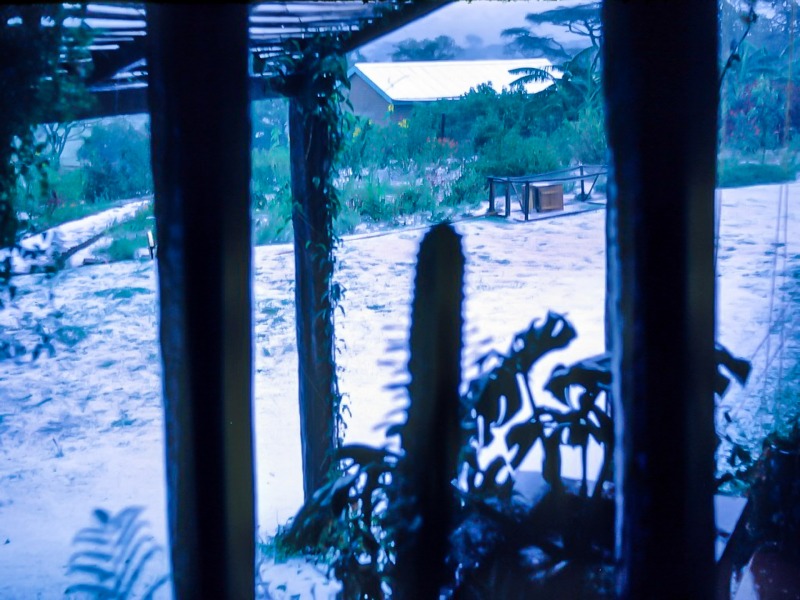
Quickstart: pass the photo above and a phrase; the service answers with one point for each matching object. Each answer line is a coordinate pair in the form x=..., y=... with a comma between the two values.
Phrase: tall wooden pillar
x=200, y=120
x=660, y=61
x=311, y=156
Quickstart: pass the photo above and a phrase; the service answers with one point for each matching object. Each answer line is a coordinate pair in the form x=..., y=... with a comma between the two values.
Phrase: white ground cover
x=84, y=429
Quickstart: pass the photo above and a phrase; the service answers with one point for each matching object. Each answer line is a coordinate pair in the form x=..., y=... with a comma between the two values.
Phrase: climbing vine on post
x=314, y=78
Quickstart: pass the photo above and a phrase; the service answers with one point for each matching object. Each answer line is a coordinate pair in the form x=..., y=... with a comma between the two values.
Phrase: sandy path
x=84, y=429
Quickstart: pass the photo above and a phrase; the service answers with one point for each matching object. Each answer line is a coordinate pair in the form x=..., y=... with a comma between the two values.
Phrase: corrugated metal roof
x=436, y=80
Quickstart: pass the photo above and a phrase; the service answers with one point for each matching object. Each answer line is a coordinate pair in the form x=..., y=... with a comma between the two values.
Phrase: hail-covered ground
x=83, y=429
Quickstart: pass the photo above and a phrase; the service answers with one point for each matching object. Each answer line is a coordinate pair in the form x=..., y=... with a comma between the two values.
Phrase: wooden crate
x=548, y=196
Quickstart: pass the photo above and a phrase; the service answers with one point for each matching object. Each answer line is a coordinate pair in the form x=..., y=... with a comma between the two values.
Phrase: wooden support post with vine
x=315, y=137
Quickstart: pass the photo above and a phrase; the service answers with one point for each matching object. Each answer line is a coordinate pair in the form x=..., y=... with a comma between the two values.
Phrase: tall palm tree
x=577, y=82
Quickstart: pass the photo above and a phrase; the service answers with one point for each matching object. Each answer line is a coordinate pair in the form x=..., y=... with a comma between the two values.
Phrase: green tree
x=579, y=85
x=442, y=47
x=65, y=95
x=756, y=119
x=758, y=106
x=116, y=162
x=583, y=20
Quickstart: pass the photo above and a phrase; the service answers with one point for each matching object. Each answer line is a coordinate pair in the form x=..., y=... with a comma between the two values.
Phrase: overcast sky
x=482, y=18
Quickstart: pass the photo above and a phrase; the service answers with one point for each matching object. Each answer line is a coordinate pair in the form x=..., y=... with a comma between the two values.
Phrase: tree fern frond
x=531, y=75
x=114, y=557
x=145, y=543
x=140, y=568
x=97, y=538
x=97, y=591
x=156, y=585
x=98, y=572
x=93, y=555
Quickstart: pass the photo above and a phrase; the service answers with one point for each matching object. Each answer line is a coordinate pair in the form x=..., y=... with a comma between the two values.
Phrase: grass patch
x=272, y=218
x=130, y=236
x=275, y=547
x=68, y=211
x=271, y=230
x=731, y=173
x=122, y=249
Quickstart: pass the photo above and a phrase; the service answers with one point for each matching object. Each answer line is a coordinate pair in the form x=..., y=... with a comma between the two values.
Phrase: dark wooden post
x=508, y=199
x=660, y=79
x=198, y=92
x=583, y=190
x=492, y=209
x=311, y=157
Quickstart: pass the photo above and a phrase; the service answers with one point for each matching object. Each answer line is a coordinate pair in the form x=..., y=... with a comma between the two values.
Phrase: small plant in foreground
x=775, y=493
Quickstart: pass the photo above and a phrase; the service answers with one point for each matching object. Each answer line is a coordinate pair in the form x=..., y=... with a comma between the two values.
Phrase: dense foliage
x=442, y=47
x=582, y=20
x=759, y=94
x=38, y=86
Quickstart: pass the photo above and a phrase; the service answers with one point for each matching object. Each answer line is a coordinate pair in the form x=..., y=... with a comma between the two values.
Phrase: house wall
x=370, y=104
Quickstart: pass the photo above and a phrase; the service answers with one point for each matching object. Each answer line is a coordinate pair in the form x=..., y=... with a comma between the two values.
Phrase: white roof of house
x=436, y=80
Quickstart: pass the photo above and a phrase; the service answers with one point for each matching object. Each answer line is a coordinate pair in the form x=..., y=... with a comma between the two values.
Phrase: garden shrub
x=346, y=221
x=514, y=155
x=272, y=221
x=271, y=171
x=131, y=235
x=123, y=248
x=116, y=162
x=755, y=121
x=414, y=199
x=68, y=185
x=585, y=138
x=49, y=197
x=369, y=200
x=469, y=188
